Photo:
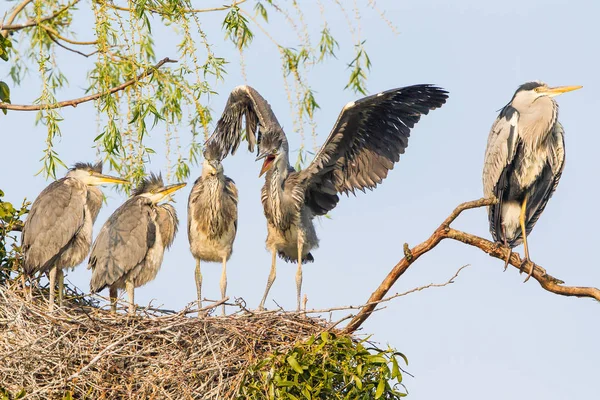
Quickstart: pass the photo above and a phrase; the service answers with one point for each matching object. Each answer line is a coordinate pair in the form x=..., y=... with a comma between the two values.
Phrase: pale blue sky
x=488, y=336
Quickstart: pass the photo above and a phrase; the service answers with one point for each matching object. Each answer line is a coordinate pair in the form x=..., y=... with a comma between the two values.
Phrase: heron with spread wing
x=524, y=160
x=129, y=249
x=58, y=231
x=366, y=141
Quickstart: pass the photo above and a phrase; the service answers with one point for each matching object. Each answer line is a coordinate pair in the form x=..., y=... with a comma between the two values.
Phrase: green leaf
x=380, y=389
x=4, y=94
x=294, y=364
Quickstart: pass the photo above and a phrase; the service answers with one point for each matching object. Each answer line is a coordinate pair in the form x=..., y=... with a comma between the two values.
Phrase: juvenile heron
x=129, y=249
x=212, y=218
x=366, y=141
x=524, y=160
x=58, y=231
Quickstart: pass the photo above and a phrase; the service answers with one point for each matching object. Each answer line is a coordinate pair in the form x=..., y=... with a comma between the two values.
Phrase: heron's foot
x=531, y=268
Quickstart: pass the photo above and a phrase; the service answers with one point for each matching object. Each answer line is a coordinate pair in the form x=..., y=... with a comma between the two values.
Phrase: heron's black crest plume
x=88, y=166
x=212, y=151
x=530, y=86
x=270, y=140
x=149, y=184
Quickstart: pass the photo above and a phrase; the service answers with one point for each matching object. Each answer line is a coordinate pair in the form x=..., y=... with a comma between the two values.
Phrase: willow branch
x=59, y=36
x=76, y=102
x=32, y=22
x=186, y=11
x=14, y=14
x=444, y=231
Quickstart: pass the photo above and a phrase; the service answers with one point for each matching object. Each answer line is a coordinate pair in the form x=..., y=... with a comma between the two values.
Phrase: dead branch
x=496, y=250
x=76, y=102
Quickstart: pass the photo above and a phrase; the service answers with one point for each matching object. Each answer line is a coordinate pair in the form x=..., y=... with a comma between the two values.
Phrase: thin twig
x=76, y=102
x=14, y=14
x=32, y=22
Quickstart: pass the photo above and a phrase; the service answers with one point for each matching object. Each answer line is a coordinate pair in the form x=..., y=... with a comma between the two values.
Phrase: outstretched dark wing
x=243, y=102
x=366, y=141
x=503, y=142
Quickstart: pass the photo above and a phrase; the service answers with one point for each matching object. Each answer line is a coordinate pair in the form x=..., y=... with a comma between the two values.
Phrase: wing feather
x=56, y=216
x=366, y=141
x=502, y=145
x=244, y=102
x=122, y=243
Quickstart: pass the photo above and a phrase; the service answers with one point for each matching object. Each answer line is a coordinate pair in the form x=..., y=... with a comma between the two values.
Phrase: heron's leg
x=198, y=276
x=223, y=283
x=509, y=248
x=129, y=287
x=524, y=233
x=271, y=279
x=61, y=285
x=299, y=274
x=53, y=272
x=113, y=299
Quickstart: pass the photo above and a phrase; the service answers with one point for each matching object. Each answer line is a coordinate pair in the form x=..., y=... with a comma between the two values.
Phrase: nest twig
x=85, y=350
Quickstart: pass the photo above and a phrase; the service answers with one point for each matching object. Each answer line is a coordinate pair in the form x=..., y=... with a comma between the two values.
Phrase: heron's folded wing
x=548, y=180
x=122, y=243
x=503, y=141
x=243, y=102
x=56, y=215
x=366, y=141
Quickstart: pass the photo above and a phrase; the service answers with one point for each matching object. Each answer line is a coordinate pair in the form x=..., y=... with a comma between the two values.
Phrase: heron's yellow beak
x=267, y=164
x=171, y=188
x=555, y=91
x=101, y=178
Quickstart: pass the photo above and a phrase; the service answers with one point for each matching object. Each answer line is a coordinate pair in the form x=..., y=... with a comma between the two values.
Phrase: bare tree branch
x=76, y=102
x=32, y=22
x=444, y=231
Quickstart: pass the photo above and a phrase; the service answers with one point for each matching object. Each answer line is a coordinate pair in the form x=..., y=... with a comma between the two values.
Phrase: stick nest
x=84, y=350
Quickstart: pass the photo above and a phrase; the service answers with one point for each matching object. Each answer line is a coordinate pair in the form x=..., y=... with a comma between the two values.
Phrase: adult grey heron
x=129, y=249
x=524, y=160
x=366, y=141
x=212, y=218
x=58, y=231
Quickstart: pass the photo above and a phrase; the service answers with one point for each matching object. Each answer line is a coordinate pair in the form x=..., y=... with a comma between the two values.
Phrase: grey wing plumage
x=167, y=223
x=122, y=243
x=243, y=102
x=56, y=215
x=502, y=145
x=232, y=195
x=548, y=180
x=366, y=141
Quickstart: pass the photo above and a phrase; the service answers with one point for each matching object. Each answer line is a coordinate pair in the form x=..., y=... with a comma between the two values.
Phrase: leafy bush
x=326, y=367
x=10, y=251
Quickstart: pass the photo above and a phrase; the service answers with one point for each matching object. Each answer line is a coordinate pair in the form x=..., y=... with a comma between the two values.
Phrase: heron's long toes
x=530, y=269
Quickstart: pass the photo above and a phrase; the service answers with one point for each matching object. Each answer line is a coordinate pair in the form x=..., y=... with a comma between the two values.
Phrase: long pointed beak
x=267, y=165
x=108, y=179
x=555, y=91
x=171, y=188
x=261, y=156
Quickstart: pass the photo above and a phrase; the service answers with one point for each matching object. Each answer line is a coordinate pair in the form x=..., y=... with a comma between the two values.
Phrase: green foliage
x=121, y=45
x=6, y=395
x=10, y=251
x=326, y=367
